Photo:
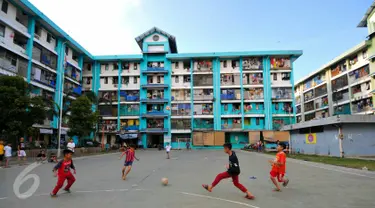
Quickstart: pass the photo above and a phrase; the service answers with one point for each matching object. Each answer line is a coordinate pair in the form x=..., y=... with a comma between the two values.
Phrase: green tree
x=18, y=110
x=82, y=119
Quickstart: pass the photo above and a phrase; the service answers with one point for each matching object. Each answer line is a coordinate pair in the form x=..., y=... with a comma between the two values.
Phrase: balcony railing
x=155, y=114
x=233, y=112
x=231, y=126
x=203, y=124
x=154, y=100
x=254, y=111
x=154, y=86
x=155, y=70
x=154, y=130
x=181, y=124
x=181, y=113
x=130, y=128
x=129, y=113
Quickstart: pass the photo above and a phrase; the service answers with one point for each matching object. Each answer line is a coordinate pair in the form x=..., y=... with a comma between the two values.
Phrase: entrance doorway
x=154, y=140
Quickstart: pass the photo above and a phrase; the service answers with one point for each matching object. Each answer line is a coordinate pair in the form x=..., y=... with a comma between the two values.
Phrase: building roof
x=171, y=38
x=363, y=22
x=339, y=119
x=337, y=59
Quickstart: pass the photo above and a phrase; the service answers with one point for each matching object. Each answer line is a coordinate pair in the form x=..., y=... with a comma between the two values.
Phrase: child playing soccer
x=233, y=171
x=278, y=168
x=62, y=171
x=168, y=150
x=130, y=156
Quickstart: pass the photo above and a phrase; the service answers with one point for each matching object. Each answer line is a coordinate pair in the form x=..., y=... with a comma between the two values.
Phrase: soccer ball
x=164, y=181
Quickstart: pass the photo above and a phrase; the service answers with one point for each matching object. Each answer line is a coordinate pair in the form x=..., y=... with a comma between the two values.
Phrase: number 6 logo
x=22, y=177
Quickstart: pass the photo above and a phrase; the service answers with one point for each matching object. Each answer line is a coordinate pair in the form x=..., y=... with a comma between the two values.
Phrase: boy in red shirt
x=62, y=171
x=130, y=156
x=278, y=168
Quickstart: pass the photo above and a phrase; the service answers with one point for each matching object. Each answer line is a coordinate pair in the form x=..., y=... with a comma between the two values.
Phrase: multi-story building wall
x=33, y=47
x=158, y=96
x=164, y=96
x=342, y=86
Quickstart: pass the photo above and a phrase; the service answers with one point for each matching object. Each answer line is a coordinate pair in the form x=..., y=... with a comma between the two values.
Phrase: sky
x=323, y=29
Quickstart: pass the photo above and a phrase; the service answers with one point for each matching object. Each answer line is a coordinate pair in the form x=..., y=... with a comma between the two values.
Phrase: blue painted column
x=292, y=82
x=192, y=96
x=118, y=95
x=191, y=100
x=29, y=46
x=80, y=65
x=267, y=93
x=217, y=98
x=242, y=96
x=168, y=95
x=60, y=49
x=143, y=95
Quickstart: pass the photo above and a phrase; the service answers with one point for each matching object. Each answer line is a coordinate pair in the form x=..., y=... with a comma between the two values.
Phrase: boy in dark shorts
x=62, y=171
x=130, y=156
x=278, y=168
x=233, y=171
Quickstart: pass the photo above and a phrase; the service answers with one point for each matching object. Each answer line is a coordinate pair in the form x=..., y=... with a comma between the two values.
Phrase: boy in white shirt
x=8, y=154
x=168, y=149
x=71, y=146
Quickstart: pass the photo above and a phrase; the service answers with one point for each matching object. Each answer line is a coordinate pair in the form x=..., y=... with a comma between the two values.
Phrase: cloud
x=101, y=27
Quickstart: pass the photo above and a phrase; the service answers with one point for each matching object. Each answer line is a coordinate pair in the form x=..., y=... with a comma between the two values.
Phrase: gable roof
x=171, y=38
x=363, y=22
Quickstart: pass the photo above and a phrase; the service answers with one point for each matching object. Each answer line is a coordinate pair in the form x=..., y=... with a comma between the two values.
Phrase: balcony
x=253, y=109
x=10, y=69
x=155, y=70
x=277, y=124
x=154, y=100
x=231, y=126
x=254, y=63
x=181, y=109
x=129, y=113
x=203, y=66
x=203, y=124
x=155, y=114
x=281, y=93
x=252, y=79
x=130, y=96
x=181, y=124
x=230, y=79
x=130, y=127
x=154, y=130
x=362, y=106
x=230, y=94
x=203, y=80
x=154, y=86
x=203, y=95
x=108, y=127
x=342, y=110
x=253, y=94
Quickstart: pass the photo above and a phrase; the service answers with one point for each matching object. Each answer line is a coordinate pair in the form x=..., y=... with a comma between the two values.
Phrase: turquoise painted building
x=155, y=97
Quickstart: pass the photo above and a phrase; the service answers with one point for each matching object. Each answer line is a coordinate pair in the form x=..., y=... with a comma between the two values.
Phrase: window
x=4, y=6
x=364, y=54
x=256, y=106
x=225, y=107
x=176, y=65
x=49, y=37
x=234, y=64
x=105, y=80
x=158, y=79
x=115, y=66
x=276, y=106
x=135, y=66
x=2, y=30
x=176, y=79
x=66, y=50
x=225, y=64
x=257, y=121
x=114, y=80
x=135, y=80
x=88, y=81
x=186, y=78
x=274, y=76
x=88, y=67
x=106, y=67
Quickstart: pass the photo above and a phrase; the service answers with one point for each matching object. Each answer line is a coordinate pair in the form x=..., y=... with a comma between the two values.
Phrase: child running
x=62, y=171
x=130, y=156
x=168, y=148
x=233, y=171
x=278, y=168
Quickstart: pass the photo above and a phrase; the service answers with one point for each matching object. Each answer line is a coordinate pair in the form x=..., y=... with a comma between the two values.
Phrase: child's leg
x=218, y=178
x=236, y=182
x=123, y=171
x=273, y=176
x=71, y=179
x=167, y=155
x=60, y=183
x=128, y=170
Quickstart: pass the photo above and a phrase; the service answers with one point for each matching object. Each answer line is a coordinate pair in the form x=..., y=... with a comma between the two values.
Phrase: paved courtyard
x=99, y=183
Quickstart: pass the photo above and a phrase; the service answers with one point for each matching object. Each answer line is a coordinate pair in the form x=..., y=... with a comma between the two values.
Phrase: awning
x=46, y=131
x=273, y=136
x=128, y=136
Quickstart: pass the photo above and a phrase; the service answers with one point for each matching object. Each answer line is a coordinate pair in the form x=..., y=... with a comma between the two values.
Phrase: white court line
x=108, y=190
x=3, y=198
x=317, y=166
x=220, y=199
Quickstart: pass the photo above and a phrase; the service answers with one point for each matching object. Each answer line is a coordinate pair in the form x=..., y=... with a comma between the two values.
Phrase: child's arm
x=73, y=167
x=57, y=166
x=122, y=154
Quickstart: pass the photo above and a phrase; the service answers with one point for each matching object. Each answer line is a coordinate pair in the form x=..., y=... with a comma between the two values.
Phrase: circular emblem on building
x=310, y=138
x=155, y=37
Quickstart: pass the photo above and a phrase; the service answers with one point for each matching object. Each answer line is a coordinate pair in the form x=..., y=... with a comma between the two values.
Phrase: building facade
x=342, y=86
x=158, y=96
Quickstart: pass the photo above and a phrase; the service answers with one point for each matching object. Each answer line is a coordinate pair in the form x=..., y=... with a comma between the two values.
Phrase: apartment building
x=33, y=47
x=164, y=96
x=341, y=87
x=157, y=96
